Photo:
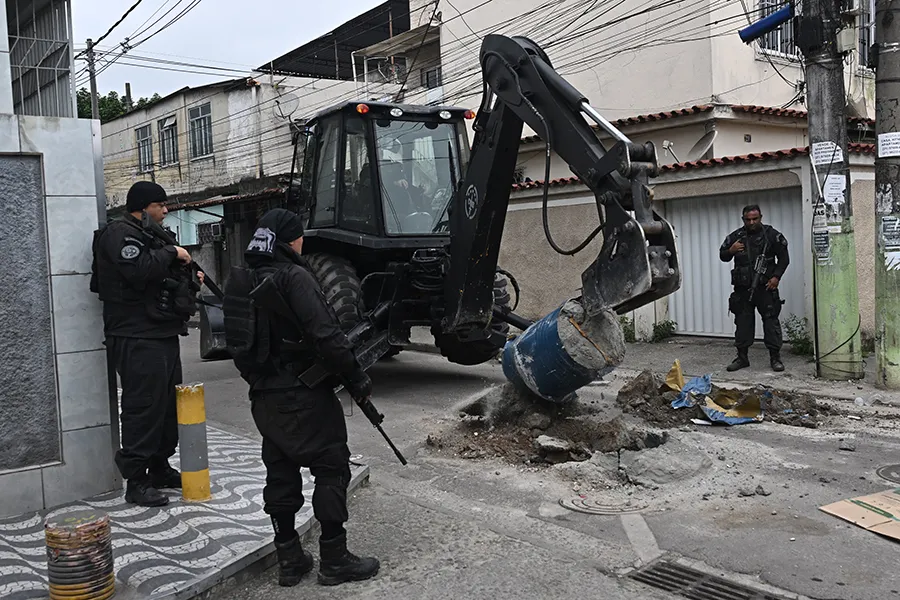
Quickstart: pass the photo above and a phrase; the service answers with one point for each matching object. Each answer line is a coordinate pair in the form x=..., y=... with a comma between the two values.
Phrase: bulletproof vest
x=755, y=245
x=252, y=335
x=174, y=298
x=246, y=327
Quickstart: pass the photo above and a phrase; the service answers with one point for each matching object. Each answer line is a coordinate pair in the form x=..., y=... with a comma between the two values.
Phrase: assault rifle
x=759, y=265
x=266, y=296
x=154, y=229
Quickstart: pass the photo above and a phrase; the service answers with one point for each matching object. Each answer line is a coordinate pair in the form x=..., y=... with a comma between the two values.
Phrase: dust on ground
x=648, y=397
x=506, y=423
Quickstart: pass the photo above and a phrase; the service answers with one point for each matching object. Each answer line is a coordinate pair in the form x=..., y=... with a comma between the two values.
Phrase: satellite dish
x=286, y=105
x=703, y=145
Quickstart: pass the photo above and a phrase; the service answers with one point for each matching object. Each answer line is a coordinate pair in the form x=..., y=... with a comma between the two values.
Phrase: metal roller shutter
x=700, y=307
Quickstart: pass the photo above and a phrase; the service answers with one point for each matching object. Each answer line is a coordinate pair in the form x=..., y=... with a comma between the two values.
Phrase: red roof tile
x=693, y=110
x=705, y=164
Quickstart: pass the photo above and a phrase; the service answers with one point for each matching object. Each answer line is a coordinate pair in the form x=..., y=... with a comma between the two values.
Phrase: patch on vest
x=130, y=252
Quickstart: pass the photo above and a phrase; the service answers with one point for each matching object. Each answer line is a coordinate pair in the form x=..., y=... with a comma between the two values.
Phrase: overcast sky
x=230, y=34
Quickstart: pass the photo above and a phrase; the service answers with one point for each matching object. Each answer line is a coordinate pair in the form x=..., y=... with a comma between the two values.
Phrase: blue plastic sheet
x=697, y=385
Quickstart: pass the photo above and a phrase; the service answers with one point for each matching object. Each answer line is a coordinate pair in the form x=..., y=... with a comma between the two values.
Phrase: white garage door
x=700, y=307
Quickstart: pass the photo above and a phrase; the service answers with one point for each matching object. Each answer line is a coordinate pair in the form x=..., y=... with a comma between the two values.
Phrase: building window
x=201, y=131
x=866, y=30
x=781, y=40
x=145, y=148
x=431, y=78
x=168, y=142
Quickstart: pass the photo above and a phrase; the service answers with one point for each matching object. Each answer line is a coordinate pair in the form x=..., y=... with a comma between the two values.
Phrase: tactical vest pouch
x=95, y=246
x=741, y=276
x=246, y=327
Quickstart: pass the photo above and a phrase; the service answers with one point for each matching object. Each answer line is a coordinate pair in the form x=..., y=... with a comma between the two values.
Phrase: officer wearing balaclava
x=146, y=293
x=300, y=426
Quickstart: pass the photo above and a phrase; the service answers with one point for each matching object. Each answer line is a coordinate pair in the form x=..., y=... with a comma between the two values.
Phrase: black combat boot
x=741, y=362
x=339, y=565
x=143, y=493
x=293, y=562
x=165, y=478
x=775, y=361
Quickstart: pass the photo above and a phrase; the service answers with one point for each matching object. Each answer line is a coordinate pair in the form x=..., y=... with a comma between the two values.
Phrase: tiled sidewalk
x=172, y=552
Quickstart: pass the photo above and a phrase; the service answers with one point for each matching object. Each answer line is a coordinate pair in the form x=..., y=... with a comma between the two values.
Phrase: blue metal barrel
x=537, y=361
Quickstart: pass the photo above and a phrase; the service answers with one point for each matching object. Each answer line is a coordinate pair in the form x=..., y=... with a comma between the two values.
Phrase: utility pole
x=837, y=319
x=128, y=102
x=92, y=72
x=887, y=192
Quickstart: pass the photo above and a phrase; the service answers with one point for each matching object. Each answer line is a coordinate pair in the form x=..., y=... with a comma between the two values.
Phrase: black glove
x=359, y=385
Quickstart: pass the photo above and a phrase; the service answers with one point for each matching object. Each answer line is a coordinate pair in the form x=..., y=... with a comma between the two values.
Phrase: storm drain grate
x=695, y=584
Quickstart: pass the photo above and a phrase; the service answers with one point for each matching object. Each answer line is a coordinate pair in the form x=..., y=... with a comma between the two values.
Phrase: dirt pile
x=508, y=424
x=648, y=397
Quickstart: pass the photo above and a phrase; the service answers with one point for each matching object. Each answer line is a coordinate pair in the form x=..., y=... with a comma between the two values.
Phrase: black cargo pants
x=149, y=370
x=303, y=428
x=768, y=303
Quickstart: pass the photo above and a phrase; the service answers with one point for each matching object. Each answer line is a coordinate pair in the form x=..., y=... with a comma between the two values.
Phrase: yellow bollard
x=192, y=443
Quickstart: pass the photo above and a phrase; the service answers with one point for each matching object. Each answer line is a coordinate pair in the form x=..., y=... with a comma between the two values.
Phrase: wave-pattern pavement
x=161, y=550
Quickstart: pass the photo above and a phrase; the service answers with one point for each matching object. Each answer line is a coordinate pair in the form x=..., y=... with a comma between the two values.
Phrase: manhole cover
x=594, y=507
x=690, y=583
x=889, y=472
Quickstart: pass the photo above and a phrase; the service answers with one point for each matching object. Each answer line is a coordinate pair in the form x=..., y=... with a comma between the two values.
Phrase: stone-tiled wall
x=62, y=446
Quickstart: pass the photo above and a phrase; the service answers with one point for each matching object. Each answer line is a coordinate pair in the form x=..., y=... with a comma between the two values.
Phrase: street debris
x=847, y=446
x=505, y=422
x=672, y=402
x=878, y=513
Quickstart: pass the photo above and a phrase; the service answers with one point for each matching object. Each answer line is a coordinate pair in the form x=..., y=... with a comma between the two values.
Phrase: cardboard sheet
x=878, y=513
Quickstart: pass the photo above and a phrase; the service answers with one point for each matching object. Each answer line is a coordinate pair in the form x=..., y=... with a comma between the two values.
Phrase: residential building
x=727, y=119
x=225, y=151
x=59, y=430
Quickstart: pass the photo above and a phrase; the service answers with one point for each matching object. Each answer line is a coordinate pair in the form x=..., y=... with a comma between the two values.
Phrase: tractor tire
x=341, y=286
x=480, y=351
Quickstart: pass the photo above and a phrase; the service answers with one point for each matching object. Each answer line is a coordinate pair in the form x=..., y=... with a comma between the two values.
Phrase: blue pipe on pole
x=770, y=23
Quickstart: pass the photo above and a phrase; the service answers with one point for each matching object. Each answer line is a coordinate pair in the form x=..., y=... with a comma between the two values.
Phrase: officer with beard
x=300, y=426
x=148, y=297
x=754, y=245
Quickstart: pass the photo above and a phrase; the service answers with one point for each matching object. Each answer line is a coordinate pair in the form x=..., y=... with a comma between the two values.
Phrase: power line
x=117, y=23
x=518, y=17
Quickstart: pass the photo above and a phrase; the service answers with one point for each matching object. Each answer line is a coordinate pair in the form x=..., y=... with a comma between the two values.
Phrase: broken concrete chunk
x=746, y=492
x=761, y=491
x=848, y=446
x=545, y=443
x=537, y=421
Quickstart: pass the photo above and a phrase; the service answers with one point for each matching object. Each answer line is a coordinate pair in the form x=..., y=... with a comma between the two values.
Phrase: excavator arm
x=637, y=263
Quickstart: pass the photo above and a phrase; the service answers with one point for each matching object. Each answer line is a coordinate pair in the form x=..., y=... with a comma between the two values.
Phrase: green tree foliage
x=112, y=106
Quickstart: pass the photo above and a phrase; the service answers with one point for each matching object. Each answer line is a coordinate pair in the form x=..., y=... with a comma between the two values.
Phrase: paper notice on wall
x=892, y=261
x=890, y=233
x=889, y=144
x=827, y=153
x=834, y=189
x=822, y=244
x=819, y=222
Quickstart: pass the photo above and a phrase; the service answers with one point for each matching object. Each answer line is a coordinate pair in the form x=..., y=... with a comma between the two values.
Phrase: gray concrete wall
x=26, y=348
x=66, y=452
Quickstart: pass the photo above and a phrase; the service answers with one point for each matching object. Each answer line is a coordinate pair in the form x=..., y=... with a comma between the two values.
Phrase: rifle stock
x=266, y=296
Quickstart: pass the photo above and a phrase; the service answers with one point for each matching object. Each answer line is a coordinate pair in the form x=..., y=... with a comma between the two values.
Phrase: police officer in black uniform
x=148, y=297
x=746, y=245
x=300, y=426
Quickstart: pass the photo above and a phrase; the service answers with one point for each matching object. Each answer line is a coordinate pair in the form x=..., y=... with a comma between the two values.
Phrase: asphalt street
x=444, y=526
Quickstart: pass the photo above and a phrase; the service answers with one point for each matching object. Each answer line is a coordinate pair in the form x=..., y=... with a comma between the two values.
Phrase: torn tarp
x=731, y=407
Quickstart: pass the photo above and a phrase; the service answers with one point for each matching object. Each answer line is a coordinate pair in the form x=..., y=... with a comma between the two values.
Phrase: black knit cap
x=144, y=193
x=285, y=224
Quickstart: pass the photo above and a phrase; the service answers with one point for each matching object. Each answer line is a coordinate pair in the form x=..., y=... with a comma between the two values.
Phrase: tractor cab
x=377, y=174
